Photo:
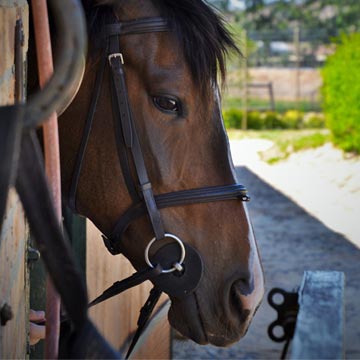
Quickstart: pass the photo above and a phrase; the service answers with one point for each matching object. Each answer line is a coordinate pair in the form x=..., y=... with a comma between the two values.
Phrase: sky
x=237, y=4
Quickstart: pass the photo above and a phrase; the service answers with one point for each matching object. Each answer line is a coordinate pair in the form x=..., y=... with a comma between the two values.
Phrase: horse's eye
x=167, y=104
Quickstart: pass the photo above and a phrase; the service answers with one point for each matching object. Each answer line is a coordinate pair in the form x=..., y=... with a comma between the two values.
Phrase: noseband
x=129, y=149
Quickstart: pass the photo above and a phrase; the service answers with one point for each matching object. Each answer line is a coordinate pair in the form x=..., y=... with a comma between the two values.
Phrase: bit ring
x=177, y=264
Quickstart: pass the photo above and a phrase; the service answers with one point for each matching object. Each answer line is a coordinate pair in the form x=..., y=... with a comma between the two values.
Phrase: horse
x=172, y=75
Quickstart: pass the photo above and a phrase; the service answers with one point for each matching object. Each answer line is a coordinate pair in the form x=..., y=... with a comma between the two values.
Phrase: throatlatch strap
x=86, y=132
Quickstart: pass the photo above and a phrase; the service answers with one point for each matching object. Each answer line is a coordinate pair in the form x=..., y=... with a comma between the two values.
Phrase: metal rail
x=63, y=85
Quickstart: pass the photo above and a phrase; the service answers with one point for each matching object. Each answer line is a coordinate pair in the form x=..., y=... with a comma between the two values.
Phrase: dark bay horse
x=172, y=85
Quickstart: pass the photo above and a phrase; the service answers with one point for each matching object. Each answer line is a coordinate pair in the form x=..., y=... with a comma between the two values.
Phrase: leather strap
x=10, y=135
x=139, y=26
x=120, y=286
x=179, y=198
x=86, y=133
x=131, y=138
x=36, y=198
x=144, y=317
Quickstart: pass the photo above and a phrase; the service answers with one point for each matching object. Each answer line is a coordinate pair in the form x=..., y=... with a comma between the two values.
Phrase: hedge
x=341, y=93
x=256, y=120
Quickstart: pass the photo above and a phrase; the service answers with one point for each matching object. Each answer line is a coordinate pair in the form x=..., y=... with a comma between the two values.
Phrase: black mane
x=203, y=35
x=199, y=29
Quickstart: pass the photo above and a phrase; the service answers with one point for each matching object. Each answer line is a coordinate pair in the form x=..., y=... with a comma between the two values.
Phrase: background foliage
x=291, y=119
x=341, y=93
x=331, y=16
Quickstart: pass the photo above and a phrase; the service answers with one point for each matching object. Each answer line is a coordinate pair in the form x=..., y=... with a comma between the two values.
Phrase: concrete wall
x=14, y=231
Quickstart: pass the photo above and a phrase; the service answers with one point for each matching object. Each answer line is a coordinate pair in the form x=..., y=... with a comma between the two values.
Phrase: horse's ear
x=104, y=2
x=87, y=5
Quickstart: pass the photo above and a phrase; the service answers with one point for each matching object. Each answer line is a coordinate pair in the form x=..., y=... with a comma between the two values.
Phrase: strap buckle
x=110, y=246
x=116, y=55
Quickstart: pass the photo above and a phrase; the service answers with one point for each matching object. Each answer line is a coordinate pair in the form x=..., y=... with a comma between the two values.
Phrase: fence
x=289, y=61
x=294, y=47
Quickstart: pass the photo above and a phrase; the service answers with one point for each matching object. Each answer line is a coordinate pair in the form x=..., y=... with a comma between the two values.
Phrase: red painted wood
x=52, y=163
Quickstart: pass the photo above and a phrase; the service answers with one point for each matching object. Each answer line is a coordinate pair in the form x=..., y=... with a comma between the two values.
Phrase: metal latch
x=6, y=314
x=33, y=255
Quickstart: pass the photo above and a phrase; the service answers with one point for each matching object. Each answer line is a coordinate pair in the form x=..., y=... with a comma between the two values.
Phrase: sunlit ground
x=324, y=181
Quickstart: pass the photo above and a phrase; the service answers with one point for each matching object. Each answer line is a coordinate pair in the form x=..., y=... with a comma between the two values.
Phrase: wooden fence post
x=245, y=84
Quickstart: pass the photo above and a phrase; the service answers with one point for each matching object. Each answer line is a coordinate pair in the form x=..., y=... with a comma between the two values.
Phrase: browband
x=140, y=26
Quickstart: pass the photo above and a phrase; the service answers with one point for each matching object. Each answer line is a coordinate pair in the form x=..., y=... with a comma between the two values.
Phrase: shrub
x=232, y=118
x=341, y=93
x=255, y=120
x=293, y=119
x=314, y=120
x=273, y=120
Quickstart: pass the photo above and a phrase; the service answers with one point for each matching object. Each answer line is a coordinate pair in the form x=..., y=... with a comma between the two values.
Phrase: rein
x=175, y=258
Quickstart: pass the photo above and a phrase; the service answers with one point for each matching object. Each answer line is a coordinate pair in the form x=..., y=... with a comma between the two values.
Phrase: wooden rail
x=319, y=332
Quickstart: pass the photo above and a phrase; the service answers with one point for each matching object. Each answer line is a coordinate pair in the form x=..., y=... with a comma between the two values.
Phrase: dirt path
x=322, y=181
x=291, y=240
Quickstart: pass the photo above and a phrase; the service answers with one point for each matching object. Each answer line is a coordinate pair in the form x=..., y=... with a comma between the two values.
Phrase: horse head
x=171, y=78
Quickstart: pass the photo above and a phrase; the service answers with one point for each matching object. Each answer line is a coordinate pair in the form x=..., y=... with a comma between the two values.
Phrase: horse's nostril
x=240, y=306
x=243, y=286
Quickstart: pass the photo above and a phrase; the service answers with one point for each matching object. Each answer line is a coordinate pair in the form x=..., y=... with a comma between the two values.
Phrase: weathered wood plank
x=14, y=287
x=13, y=280
x=320, y=323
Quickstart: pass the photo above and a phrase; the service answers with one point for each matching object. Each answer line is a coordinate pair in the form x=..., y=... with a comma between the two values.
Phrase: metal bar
x=52, y=164
x=69, y=20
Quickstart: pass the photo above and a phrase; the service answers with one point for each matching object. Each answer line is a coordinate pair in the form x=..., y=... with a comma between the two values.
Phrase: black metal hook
x=287, y=311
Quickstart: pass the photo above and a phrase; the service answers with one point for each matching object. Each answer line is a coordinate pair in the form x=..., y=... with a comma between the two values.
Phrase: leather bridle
x=128, y=144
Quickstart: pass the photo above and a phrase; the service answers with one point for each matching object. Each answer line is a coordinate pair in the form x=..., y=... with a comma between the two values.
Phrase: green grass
x=286, y=142
x=281, y=106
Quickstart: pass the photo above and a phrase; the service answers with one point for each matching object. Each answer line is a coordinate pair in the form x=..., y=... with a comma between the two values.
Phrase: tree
x=222, y=5
x=341, y=93
x=328, y=18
